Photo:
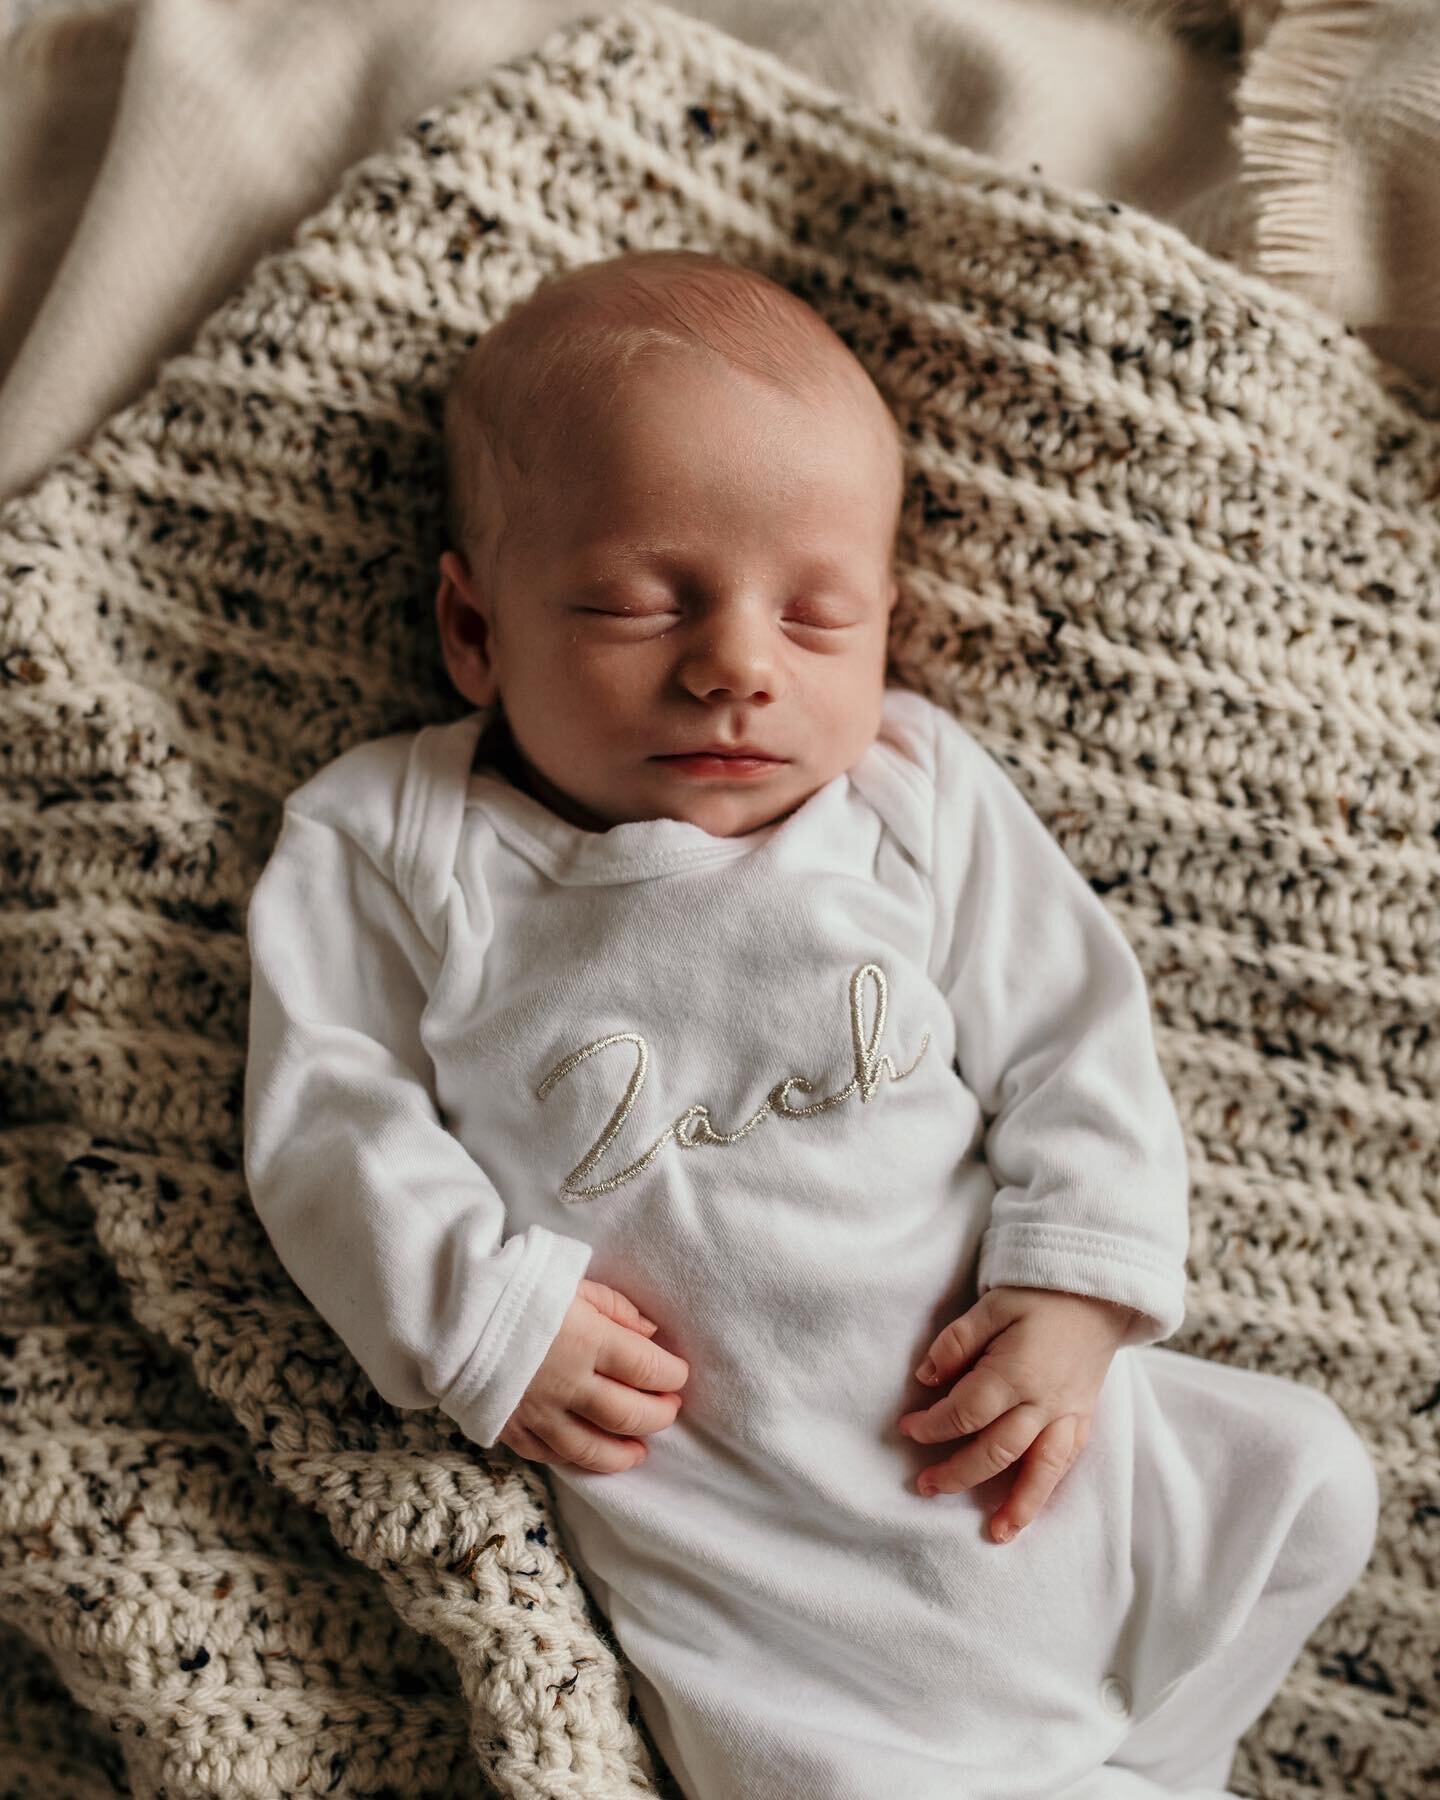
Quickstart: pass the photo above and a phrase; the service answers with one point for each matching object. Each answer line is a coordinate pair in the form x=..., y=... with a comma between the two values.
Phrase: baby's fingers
x=615, y=1305
x=1039, y=1473
x=625, y=1411
x=957, y=1346
x=640, y=1362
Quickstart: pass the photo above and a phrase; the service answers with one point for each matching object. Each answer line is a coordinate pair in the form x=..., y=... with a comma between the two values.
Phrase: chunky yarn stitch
x=1170, y=549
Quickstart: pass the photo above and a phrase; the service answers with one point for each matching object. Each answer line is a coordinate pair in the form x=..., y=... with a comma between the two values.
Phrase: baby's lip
x=723, y=750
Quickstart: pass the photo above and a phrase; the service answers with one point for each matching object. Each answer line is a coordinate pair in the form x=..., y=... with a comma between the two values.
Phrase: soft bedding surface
x=1170, y=550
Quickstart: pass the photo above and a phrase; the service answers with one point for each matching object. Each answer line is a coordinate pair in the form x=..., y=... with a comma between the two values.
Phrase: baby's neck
x=498, y=748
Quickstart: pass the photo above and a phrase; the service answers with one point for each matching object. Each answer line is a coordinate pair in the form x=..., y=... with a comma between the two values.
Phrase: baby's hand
x=602, y=1370
x=1046, y=1355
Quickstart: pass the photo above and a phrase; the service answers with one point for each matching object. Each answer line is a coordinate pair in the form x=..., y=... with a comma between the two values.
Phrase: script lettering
x=695, y=1127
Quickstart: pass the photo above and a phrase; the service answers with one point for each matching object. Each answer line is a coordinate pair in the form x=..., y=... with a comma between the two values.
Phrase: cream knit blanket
x=1170, y=549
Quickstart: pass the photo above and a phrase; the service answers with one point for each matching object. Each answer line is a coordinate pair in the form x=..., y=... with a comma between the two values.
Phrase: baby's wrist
x=1120, y=1315
x=1123, y=1317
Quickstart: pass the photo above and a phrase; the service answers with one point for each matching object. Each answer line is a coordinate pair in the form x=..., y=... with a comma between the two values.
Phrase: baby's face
x=711, y=563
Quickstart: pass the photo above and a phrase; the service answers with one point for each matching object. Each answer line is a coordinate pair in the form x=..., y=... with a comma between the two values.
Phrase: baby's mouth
x=729, y=763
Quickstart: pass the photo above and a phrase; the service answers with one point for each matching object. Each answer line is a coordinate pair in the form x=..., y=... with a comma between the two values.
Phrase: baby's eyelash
x=620, y=612
x=670, y=612
x=610, y=612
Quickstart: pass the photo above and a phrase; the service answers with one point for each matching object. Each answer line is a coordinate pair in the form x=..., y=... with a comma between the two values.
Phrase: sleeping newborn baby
x=699, y=1070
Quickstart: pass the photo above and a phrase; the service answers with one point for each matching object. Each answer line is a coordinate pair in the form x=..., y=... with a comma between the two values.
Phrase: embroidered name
x=694, y=1127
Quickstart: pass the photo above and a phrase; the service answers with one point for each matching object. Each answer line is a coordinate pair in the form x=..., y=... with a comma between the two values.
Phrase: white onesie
x=747, y=1081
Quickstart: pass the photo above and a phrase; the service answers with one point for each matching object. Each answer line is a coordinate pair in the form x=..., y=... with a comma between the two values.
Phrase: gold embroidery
x=868, y=1069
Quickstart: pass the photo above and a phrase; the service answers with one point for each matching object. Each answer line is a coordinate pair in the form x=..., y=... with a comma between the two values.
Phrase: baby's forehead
x=581, y=332
x=585, y=342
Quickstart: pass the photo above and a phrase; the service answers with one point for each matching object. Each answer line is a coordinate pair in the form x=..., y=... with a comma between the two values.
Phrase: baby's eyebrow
x=599, y=560
x=599, y=564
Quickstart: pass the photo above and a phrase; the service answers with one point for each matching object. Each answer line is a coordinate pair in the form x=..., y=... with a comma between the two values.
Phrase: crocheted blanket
x=1170, y=549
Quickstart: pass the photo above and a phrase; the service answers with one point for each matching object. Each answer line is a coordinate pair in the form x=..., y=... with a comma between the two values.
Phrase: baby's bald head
x=516, y=399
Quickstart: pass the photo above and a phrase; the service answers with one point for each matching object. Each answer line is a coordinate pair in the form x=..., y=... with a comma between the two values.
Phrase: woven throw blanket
x=1170, y=550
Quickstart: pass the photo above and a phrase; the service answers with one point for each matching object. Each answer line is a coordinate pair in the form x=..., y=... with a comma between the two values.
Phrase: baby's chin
x=731, y=814
x=723, y=815
x=746, y=826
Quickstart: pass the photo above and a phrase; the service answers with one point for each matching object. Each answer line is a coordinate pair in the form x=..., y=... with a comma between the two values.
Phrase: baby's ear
x=464, y=632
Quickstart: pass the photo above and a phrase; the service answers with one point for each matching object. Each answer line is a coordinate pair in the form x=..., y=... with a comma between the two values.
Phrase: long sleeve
x=1055, y=1039
x=384, y=1221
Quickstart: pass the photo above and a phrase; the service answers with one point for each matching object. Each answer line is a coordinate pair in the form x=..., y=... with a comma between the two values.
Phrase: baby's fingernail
x=926, y=1371
x=1004, y=1532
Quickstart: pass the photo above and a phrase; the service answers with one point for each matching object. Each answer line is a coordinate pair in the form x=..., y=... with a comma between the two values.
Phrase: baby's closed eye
x=807, y=616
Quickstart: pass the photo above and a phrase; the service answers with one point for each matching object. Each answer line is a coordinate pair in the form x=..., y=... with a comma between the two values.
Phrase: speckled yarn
x=1170, y=550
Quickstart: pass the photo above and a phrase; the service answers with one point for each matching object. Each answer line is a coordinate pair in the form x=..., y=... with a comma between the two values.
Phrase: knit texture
x=1169, y=550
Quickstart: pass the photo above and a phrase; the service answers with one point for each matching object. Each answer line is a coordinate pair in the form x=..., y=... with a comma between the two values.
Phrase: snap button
x=1115, y=1695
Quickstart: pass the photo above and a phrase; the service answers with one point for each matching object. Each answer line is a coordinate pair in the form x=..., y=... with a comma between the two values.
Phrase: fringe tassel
x=1288, y=102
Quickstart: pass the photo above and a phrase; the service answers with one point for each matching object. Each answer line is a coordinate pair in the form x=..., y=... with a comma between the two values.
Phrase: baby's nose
x=733, y=657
